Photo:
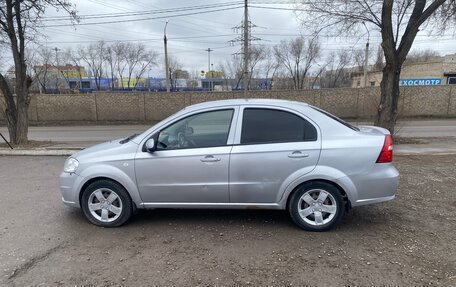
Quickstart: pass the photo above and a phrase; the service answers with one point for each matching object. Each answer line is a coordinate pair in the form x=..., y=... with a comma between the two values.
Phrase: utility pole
x=246, y=47
x=56, y=55
x=365, y=63
x=366, y=56
x=209, y=50
x=165, y=40
x=57, y=67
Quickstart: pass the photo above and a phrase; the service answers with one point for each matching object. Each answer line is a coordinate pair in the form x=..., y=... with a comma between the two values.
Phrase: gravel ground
x=407, y=242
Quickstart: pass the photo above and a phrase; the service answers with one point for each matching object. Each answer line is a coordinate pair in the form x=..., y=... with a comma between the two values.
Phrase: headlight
x=71, y=165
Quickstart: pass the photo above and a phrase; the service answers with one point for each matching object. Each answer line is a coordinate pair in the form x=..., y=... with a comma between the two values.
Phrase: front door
x=191, y=162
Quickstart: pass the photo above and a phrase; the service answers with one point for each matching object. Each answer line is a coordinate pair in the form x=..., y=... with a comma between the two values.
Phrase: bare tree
x=379, y=59
x=133, y=56
x=138, y=60
x=66, y=69
x=94, y=56
x=298, y=56
x=120, y=50
x=358, y=59
x=193, y=79
x=257, y=54
x=421, y=56
x=42, y=64
x=18, y=22
x=337, y=74
x=398, y=22
x=232, y=69
x=269, y=67
x=146, y=61
x=174, y=64
x=3, y=49
x=74, y=58
x=110, y=59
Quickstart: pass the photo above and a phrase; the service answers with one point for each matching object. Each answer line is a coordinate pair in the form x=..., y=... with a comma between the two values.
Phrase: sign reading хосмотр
x=420, y=82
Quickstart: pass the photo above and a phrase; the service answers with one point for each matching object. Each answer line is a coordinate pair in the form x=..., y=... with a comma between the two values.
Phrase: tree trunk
x=22, y=119
x=22, y=103
x=10, y=109
x=387, y=110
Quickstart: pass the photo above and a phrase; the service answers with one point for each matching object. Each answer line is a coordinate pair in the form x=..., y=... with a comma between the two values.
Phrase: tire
x=110, y=204
x=316, y=206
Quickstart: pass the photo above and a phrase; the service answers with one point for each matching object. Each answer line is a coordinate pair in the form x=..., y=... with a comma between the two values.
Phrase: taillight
x=386, y=155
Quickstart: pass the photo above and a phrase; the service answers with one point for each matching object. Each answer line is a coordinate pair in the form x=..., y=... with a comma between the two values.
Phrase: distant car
x=266, y=154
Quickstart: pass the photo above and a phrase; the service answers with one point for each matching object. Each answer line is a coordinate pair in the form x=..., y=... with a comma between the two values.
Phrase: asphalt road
x=92, y=134
x=406, y=242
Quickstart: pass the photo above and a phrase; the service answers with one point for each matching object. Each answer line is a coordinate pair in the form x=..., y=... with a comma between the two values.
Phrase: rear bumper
x=378, y=185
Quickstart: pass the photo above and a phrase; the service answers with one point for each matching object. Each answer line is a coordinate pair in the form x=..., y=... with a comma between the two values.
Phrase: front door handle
x=298, y=154
x=210, y=158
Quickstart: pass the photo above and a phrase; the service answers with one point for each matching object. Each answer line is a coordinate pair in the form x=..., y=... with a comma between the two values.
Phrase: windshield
x=336, y=119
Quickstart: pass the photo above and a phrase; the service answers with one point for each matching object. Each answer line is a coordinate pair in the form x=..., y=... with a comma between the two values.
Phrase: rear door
x=270, y=145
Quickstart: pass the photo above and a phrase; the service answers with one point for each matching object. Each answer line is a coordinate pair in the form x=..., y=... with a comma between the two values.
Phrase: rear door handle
x=210, y=158
x=298, y=154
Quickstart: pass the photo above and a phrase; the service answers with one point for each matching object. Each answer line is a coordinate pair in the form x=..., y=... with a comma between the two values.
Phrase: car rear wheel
x=316, y=206
x=106, y=203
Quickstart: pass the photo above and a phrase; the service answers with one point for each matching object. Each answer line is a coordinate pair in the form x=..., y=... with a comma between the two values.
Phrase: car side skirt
x=198, y=205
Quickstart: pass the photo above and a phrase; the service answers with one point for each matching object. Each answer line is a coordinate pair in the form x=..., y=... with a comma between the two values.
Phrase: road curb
x=38, y=152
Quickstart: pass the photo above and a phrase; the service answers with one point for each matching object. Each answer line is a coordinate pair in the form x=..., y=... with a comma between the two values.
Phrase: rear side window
x=260, y=126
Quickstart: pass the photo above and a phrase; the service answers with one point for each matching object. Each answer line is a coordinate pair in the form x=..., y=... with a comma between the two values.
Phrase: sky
x=189, y=36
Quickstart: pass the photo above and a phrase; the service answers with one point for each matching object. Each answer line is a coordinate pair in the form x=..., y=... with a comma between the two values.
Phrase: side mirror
x=150, y=145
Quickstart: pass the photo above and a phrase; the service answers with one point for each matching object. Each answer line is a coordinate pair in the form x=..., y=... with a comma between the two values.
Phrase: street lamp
x=165, y=40
x=209, y=50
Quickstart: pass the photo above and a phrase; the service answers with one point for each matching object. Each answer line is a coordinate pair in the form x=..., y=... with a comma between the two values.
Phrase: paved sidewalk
x=89, y=133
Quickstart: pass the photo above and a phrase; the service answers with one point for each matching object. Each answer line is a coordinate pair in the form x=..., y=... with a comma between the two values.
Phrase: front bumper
x=68, y=183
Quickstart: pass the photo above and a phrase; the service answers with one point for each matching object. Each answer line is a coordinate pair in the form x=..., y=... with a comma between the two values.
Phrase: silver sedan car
x=255, y=153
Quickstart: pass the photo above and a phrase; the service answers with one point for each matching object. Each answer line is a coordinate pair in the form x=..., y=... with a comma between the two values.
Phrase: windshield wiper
x=125, y=140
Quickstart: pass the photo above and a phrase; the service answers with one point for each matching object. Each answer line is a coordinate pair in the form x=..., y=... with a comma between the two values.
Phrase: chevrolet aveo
x=268, y=154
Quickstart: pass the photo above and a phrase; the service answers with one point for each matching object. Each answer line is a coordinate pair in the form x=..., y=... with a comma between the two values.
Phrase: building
x=437, y=71
x=55, y=79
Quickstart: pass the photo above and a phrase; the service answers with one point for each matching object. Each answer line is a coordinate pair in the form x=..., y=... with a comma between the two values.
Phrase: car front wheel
x=316, y=206
x=106, y=203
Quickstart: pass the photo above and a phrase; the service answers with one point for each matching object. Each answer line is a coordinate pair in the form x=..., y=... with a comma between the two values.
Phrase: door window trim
x=231, y=131
x=237, y=139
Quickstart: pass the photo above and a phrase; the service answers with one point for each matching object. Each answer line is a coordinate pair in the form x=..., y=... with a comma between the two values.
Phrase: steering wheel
x=182, y=141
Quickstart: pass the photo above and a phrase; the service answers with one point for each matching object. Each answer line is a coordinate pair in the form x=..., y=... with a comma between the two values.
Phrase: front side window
x=261, y=126
x=208, y=129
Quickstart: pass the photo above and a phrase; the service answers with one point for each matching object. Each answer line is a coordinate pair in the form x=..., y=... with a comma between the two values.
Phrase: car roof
x=233, y=102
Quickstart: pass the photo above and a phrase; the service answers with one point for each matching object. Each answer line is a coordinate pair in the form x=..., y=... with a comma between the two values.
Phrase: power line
x=141, y=13
x=142, y=19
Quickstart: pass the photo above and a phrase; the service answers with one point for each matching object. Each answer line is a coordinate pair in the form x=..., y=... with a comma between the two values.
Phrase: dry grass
x=30, y=144
x=402, y=140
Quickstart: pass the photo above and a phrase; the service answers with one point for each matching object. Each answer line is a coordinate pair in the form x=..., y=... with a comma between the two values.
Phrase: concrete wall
x=148, y=107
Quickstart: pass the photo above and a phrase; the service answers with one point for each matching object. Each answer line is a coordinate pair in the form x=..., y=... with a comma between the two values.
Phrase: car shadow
x=215, y=216
x=365, y=219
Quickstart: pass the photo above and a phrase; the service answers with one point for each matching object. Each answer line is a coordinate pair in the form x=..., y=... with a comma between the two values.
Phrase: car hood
x=106, y=149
